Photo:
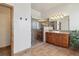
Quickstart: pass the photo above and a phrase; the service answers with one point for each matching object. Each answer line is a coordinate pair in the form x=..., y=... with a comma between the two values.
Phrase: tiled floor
x=36, y=42
x=5, y=51
x=45, y=49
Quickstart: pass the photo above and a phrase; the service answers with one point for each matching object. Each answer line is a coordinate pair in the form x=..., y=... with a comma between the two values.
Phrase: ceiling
x=43, y=7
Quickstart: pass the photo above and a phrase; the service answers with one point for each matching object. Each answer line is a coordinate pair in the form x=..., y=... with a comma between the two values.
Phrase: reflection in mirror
x=53, y=24
x=61, y=24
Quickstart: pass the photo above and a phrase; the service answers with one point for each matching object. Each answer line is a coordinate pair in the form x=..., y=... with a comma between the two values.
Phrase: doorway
x=6, y=46
x=37, y=32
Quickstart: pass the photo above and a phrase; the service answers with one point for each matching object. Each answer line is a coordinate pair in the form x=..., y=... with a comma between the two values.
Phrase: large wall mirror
x=61, y=24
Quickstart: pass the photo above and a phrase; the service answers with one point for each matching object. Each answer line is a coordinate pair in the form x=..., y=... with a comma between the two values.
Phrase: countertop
x=58, y=32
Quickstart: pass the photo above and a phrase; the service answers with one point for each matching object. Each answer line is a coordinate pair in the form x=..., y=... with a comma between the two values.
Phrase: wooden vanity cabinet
x=60, y=39
x=49, y=36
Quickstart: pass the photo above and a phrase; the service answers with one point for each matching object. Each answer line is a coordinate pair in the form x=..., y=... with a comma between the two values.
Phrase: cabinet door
x=59, y=40
x=65, y=40
x=49, y=37
x=53, y=38
x=56, y=37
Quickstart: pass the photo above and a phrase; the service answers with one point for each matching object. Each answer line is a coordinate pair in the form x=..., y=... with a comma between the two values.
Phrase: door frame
x=11, y=27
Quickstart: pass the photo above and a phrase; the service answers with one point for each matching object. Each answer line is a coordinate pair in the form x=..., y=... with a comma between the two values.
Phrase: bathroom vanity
x=58, y=38
x=57, y=32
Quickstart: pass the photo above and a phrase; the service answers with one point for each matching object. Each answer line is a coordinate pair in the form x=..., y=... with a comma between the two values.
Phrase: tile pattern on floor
x=46, y=49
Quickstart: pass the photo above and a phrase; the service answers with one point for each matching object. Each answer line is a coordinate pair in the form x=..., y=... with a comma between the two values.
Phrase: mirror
x=61, y=24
